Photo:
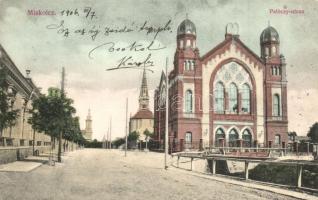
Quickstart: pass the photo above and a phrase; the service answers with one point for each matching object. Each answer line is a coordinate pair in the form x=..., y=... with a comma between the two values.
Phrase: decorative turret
x=186, y=53
x=269, y=42
x=186, y=35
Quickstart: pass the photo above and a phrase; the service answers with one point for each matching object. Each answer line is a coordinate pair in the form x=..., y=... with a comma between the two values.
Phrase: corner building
x=230, y=96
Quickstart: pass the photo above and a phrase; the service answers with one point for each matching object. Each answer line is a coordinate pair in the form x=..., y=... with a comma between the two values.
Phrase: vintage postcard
x=158, y=99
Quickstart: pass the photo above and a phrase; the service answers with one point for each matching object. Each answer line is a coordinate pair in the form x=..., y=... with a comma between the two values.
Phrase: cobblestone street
x=103, y=174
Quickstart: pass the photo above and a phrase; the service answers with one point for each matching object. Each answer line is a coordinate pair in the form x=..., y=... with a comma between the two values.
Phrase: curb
x=253, y=185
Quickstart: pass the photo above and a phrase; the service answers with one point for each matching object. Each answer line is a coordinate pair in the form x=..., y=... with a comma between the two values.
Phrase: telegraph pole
x=126, y=126
x=59, y=156
x=167, y=120
x=107, y=139
x=110, y=132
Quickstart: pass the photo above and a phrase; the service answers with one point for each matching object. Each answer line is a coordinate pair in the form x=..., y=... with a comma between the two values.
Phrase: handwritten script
x=136, y=54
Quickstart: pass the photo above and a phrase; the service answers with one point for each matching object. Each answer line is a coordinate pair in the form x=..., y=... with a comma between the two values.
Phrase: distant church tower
x=88, y=133
x=143, y=119
x=144, y=97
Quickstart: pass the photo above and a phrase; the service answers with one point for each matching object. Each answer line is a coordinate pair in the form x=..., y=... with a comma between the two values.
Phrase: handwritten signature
x=129, y=62
x=111, y=47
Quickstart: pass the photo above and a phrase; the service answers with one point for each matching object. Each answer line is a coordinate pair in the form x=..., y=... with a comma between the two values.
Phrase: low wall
x=11, y=154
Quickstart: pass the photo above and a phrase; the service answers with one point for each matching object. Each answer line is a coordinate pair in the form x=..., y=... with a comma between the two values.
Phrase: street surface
x=104, y=174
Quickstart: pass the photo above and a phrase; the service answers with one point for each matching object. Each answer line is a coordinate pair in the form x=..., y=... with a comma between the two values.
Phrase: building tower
x=144, y=96
x=143, y=119
x=88, y=126
x=187, y=53
x=275, y=88
x=185, y=82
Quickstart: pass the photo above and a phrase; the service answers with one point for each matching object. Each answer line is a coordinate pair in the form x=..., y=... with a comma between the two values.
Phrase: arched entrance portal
x=247, y=138
x=219, y=134
x=233, y=137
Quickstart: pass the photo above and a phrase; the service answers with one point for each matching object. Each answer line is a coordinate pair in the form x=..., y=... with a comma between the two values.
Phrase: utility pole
x=59, y=156
x=110, y=132
x=126, y=127
x=107, y=139
x=167, y=120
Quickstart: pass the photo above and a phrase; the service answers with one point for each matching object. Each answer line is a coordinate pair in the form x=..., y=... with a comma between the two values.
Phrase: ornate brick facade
x=228, y=95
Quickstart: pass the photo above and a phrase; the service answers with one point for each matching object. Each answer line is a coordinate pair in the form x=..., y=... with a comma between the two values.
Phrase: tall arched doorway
x=247, y=138
x=233, y=137
x=219, y=134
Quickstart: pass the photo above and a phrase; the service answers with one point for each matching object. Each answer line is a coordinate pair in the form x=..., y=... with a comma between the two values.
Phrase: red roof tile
x=143, y=114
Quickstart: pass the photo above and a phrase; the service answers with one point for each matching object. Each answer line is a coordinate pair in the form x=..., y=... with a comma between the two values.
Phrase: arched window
x=188, y=101
x=246, y=98
x=193, y=64
x=219, y=98
x=276, y=105
x=247, y=138
x=219, y=134
x=233, y=98
x=278, y=71
x=233, y=137
x=187, y=65
x=190, y=65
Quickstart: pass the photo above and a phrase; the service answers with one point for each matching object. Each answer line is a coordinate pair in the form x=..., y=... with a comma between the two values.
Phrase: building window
x=192, y=65
x=273, y=50
x=188, y=43
x=246, y=99
x=189, y=65
x=233, y=98
x=219, y=135
x=266, y=51
x=193, y=43
x=276, y=105
x=277, y=139
x=233, y=137
x=247, y=138
x=219, y=98
x=188, y=140
x=188, y=101
x=181, y=44
x=188, y=137
x=186, y=65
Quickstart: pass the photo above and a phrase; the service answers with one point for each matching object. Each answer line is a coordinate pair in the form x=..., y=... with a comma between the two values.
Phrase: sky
x=44, y=44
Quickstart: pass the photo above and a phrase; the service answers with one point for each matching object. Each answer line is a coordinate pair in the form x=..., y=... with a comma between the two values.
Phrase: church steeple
x=144, y=97
x=88, y=126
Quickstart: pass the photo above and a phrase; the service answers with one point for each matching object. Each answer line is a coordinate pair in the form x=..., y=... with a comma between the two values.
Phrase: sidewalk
x=253, y=185
x=28, y=164
x=20, y=166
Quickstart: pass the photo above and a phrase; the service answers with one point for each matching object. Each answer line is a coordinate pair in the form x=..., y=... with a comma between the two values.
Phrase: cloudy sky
x=47, y=43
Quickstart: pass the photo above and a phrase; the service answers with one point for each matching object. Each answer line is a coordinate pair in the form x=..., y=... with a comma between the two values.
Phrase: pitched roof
x=143, y=114
x=226, y=42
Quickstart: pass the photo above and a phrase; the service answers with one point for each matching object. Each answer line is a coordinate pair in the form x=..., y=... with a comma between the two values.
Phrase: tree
x=72, y=131
x=148, y=135
x=118, y=142
x=132, y=139
x=52, y=115
x=313, y=133
x=8, y=116
x=133, y=136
